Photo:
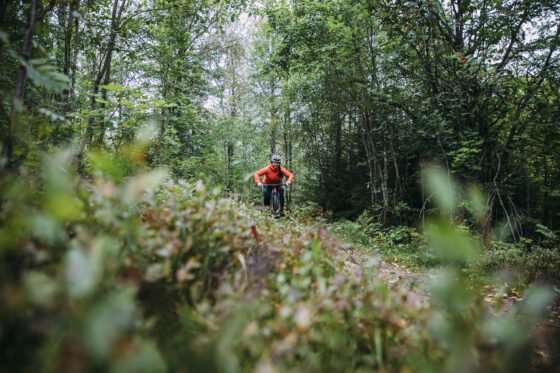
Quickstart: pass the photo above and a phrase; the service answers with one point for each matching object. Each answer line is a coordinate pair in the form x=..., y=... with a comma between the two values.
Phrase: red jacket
x=272, y=176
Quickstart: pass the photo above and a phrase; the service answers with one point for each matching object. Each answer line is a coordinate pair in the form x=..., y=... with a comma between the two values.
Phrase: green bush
x=78, y=257
x=136, y=272
x=529, y=263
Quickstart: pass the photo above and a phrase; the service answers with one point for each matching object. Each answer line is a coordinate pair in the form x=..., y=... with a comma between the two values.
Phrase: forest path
x=412, y=286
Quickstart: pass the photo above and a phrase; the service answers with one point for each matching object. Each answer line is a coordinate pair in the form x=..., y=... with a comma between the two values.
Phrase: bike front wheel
x=275, y=203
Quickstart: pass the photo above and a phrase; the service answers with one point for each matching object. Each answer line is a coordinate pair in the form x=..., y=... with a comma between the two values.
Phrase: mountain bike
x=275, y=198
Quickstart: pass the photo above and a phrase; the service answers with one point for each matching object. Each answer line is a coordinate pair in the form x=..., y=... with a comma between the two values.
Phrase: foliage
x=318, y=315
x=526, y=261
x=526, y=265
x=130, y=131
x=400, y=244
x=78, y=255
x=462, y=320
x=382, y=88
x=121, y=272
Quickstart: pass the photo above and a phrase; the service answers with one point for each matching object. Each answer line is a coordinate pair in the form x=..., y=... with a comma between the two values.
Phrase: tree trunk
x=287, y=147
x=337, y=124
x=17, y=101
x=371, y=157
x=273, y=119
x=67, y=21
x=74, y=57
x=546, y=214
x=3, y=6
x=229, y=163
x=385, y=183
x=103, y=77
x=397, y=183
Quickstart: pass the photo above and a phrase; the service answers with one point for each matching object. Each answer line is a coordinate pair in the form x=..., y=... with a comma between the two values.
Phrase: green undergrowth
x=135, y=271
x=317, y=315
x=403, y=245
x=522, y=262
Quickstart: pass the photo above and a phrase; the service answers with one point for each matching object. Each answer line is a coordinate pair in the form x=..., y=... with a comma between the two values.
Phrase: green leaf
x=440, y=184
x=4, y=38
x=142, y=184
x=113, y=87
x=546, y=232
x=40, y=288
x=51, y=115
x=144, y=356
x=452, y=244
x=536, y=300
x=64, y=207
x=83, y=271
x=46, y=76
x=477, y=202
x=46, y=228
x=108, y=321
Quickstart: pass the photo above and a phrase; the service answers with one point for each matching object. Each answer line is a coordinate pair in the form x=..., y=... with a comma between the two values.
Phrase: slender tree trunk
x=273, y=132
x=102, y=125
x=287, y=136
x=229, y=158
x=371, y=157
x=385, y=183
x=3, y=6
x=287, y=147
x=106, y=75
x=337, y=142
x=273, y=119
x=17, y=101
x=163, y=121
x=546, y=215
x=74, y=57
x=26, y=51
x=397, y=184
x=102, y=77
x=69, y=24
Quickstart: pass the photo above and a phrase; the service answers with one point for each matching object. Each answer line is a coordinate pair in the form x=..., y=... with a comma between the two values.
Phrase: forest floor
x=412, y=285
x=395, y=275
x=262, y=261
x=356, y=258
x=415, y=284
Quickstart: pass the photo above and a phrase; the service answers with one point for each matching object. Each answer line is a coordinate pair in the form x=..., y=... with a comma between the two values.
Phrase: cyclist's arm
x=258, y=175
x=288, y=174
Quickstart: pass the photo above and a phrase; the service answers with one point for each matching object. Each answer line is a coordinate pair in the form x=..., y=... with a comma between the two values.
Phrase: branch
x=507, y=53
x=516, y=129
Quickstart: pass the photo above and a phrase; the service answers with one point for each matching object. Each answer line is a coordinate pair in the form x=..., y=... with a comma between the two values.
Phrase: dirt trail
x=397, y=277
x=262, y=259
x=412, y=286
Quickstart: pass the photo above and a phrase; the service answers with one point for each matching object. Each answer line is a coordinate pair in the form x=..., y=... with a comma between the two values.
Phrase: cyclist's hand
x=288, y=183
x=259, y=185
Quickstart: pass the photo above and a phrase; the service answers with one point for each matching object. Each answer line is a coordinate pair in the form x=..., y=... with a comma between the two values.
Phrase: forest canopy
x=357, y=96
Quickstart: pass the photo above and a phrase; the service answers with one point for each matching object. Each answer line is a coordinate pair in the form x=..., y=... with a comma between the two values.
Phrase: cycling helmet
x=275, y=158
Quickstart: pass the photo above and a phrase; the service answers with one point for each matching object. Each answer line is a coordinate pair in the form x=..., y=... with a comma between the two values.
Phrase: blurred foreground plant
x=474, y=336
x=78, y=257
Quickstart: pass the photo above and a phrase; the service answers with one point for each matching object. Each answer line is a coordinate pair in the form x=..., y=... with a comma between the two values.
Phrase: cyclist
x=274, y=173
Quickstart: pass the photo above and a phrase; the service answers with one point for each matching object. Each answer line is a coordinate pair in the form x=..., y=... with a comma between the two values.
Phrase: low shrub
x=528, y=263
x=80, y=260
